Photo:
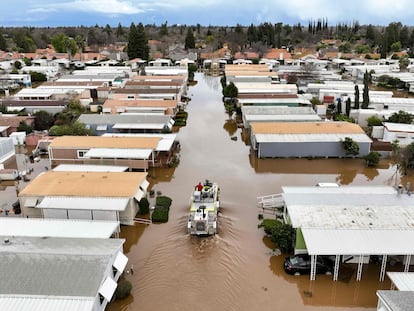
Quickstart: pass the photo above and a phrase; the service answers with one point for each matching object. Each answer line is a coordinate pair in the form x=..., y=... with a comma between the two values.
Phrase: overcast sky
x=205, y=12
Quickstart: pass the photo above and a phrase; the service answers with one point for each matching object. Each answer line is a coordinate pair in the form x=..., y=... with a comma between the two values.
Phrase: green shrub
x=123, y=289
x=163, y=201
x=160, y=214
x=269, y=225
x=143, y=206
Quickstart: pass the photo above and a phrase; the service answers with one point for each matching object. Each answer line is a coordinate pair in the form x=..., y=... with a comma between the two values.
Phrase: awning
x=144, y=185
x=139, y=126
x=139, y=195
x=108, y=288
x=358, y=241
x=120, y=262
x=84, y=203
x=118, y=153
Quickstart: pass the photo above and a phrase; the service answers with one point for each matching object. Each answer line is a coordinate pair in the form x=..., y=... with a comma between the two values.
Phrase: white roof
x=282, y=117
x=84, y=203
x=358, y=241
x=334, y=137
x=89, y=168
x=43, y=302
x=349, y=207
x=118, y=153
x=404, y=281
x=3, y=128
x=59, y=228
x=139, y=126
x=399, y=127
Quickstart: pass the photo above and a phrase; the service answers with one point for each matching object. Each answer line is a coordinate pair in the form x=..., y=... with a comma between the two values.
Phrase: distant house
x=34, y=102
x=306, y=139
x=162, y=106
x=128, y=122
x=133, y=152
x=62, y=274
x=11, y=122
x=112, y=196
x=404, y=133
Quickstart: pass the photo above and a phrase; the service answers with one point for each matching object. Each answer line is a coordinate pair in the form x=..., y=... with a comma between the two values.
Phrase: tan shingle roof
x=305, y=128
x=105, y=142
x=86, y=184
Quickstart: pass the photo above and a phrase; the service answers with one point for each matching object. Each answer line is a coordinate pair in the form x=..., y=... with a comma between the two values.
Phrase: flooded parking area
x=237, y=269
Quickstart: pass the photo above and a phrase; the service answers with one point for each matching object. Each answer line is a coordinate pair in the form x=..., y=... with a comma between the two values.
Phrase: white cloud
x=100, y=6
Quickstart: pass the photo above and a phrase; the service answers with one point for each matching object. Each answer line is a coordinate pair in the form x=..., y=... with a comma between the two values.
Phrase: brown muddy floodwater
x=237, y=269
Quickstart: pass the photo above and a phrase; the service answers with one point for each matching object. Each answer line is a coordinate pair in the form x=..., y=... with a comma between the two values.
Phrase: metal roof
x=396, y=300
x=87, y=142
x=45, y=302
x=345, y=207
x=59, y=228
x=282, y=117
x=327, y=137
x=358, y=241
x=123, y=118
x=139, y=126
x=279, y=110
x=118, y=153
x=84, y=203
x=89, y=168
x=404, y=281
x=399, y=127
x=58, y=266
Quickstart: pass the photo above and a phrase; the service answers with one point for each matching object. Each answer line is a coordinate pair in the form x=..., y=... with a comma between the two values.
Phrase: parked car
x=301, y=264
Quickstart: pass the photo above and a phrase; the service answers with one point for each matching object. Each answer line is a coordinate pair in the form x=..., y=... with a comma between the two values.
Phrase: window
x=81, y=153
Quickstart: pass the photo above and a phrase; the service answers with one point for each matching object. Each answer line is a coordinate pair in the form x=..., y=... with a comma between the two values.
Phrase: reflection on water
x=237, y=269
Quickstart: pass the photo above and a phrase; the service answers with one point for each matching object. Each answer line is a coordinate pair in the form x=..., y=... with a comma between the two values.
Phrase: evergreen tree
x=3, y=44
x=119, y=31
x=163, y=29
x=365, y=94
x=132, y=47
x=251, y=34
x=189, y=40
x=137, y=42
x=356, y=101
x=348, y=107
x=339, y=106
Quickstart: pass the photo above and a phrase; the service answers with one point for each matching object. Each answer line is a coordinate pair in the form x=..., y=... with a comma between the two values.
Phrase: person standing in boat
x=199, y=187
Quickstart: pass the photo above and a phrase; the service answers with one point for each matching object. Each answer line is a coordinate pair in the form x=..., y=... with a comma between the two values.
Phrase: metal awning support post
x=336, y=267
x=313, y=268
x=383, y=266
x=360, y=263
x=407, y=263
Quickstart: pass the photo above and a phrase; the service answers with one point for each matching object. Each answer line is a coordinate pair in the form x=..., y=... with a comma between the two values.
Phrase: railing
x=270, y=202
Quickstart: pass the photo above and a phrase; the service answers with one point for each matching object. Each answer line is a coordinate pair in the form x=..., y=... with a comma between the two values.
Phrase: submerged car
x=301, y=264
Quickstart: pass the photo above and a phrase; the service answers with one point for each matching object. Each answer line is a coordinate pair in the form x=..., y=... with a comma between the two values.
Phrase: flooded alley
x=237, y=269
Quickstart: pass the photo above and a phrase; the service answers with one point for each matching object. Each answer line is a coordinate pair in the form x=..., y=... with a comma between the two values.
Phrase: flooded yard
x=237, y=269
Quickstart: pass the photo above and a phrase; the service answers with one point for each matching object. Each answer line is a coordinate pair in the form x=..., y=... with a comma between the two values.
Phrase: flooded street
x=236, y=269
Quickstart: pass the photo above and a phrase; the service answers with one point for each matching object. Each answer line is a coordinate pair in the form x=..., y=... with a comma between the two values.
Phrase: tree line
x=361, y=38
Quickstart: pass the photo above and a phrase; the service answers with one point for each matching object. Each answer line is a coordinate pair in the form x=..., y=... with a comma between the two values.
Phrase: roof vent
x=6, y=241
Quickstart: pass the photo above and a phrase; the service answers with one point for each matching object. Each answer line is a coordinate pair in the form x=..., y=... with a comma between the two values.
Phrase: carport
x=360, y=243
